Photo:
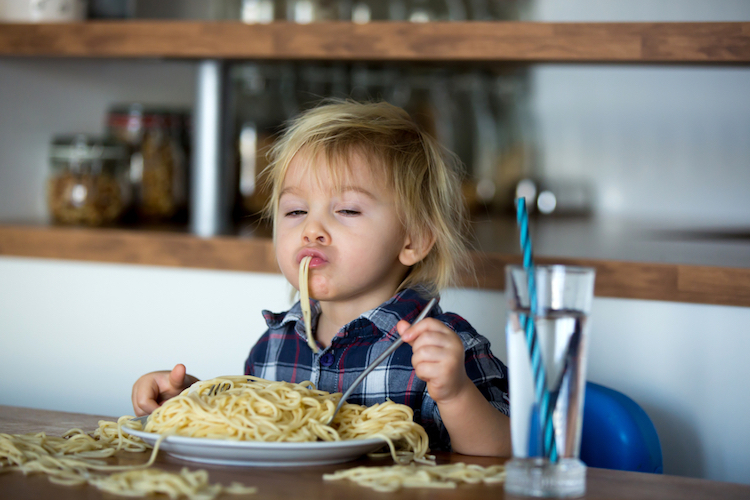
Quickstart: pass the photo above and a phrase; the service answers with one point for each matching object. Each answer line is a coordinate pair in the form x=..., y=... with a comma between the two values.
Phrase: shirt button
x=326, y=359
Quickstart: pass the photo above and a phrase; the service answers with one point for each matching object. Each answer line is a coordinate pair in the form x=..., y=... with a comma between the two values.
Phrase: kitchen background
x=624, y=146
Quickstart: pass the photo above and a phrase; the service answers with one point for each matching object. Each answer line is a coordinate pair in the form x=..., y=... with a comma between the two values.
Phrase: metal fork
x=142, y=420
x=216, y=389
x=380, y=359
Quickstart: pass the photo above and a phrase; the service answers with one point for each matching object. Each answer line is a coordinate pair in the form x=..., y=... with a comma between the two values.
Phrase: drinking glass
x=547, y=340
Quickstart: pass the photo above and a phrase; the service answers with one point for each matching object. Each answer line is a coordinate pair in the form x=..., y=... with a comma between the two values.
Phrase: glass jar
x=257, y=11
x=158, y=160
x=309, y=11
x=88, y=183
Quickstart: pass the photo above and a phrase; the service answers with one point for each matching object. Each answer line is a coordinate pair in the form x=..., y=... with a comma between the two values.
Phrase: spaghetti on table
x=76, y=459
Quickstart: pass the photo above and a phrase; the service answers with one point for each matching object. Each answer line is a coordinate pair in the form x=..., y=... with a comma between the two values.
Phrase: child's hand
x=154, y=388
x=438, y=357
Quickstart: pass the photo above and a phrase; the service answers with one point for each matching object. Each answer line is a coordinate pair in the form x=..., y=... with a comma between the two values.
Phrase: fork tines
x=217, y=388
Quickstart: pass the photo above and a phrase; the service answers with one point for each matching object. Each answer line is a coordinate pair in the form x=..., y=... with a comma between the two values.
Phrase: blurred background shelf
x=674, y=262
x=657, y=279
x=502, y=41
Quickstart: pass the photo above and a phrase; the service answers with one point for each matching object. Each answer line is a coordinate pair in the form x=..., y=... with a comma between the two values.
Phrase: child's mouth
x=317, y=262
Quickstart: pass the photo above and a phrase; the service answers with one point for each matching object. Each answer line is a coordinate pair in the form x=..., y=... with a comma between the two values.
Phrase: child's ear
x=416, y=248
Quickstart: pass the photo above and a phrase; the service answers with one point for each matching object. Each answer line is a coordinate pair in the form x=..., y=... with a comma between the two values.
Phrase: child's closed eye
x=295, y=213
x=348, y=212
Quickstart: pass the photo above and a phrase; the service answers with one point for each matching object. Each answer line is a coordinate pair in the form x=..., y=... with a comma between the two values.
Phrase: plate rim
x=247, y=444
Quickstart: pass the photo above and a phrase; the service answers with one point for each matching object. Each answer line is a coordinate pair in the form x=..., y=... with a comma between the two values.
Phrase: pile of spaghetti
x=246, y=408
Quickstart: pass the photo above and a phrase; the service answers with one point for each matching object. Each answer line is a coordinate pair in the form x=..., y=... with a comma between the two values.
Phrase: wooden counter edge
x=616, y=279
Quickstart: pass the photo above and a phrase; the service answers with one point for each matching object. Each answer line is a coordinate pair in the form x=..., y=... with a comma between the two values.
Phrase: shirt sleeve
x=487, y=372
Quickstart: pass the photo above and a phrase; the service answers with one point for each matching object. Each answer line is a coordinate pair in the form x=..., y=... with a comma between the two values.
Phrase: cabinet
x=711, y=279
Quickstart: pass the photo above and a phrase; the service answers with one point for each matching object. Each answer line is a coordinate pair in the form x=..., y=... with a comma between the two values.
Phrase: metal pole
x=208, y=204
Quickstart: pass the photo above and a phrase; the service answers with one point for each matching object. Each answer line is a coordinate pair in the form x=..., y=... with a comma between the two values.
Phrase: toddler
x=376, y=204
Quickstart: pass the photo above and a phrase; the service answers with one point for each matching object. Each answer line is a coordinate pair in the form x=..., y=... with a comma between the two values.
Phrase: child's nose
x=315, y=232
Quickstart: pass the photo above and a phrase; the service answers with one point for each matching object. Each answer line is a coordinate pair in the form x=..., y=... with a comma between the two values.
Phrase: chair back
x=617, y=433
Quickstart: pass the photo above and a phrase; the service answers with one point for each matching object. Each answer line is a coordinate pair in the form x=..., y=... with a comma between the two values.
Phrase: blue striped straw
x=540, y=377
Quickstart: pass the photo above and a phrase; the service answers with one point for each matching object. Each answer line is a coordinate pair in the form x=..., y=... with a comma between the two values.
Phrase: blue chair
x=617, y=433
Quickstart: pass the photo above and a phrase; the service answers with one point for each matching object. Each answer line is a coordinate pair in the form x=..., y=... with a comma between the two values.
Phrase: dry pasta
x=250, y=408
x=304, y=300
x=76, y=459
x=395, y=477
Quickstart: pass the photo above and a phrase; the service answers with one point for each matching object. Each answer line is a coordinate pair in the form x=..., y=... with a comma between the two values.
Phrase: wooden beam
x=715, y=42
x=618, y=279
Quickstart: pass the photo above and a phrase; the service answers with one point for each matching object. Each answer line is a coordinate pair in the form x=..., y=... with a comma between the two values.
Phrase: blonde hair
x=425, y=177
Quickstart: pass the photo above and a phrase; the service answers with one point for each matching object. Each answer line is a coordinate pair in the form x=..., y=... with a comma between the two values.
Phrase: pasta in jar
x=87, y=183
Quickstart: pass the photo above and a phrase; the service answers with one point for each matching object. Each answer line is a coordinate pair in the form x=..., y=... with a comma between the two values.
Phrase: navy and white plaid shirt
x=282, y=353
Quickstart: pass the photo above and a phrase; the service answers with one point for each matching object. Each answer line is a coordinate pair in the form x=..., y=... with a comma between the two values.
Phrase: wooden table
x=307, y=482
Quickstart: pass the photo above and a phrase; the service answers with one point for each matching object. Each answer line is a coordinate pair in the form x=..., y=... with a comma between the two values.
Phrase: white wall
x=655, y=143
x=639, y=10
x=75, y=336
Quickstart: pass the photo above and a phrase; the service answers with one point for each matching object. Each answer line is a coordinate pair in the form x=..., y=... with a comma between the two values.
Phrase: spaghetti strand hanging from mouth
x=304, y=300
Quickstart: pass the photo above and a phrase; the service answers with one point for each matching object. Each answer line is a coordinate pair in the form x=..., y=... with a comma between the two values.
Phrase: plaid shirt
x=282, y=353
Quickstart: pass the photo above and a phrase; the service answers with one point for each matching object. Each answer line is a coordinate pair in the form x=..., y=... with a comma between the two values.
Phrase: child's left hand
x=438, y=357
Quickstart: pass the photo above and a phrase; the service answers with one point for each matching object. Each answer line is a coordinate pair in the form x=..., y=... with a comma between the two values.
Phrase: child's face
x=352, y=231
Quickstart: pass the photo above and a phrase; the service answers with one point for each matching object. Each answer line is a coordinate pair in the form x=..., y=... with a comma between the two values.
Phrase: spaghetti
x=395, y=477
x=304, y=300
x=76, y=459
x=147, y=482
x=250, y=408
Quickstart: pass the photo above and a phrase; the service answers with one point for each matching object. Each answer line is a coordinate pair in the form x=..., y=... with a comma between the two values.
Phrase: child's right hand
x=152, y=389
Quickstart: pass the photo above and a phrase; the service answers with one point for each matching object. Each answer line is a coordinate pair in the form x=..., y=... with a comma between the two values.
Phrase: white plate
x=260, y=453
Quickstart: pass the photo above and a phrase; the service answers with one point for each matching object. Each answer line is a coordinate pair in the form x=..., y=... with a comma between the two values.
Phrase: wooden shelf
x=620, y=279
x=622, y=271
x=714, y=42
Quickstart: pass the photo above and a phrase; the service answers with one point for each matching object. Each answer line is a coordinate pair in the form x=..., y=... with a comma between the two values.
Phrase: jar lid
x=137, y=115
x=82, y=147
x=136, y=122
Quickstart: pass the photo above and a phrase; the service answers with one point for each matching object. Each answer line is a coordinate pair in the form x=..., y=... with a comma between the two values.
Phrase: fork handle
x=381, y=358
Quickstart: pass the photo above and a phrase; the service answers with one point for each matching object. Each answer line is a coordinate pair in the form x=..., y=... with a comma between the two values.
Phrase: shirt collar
x=276, y=320
x=406, y=305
